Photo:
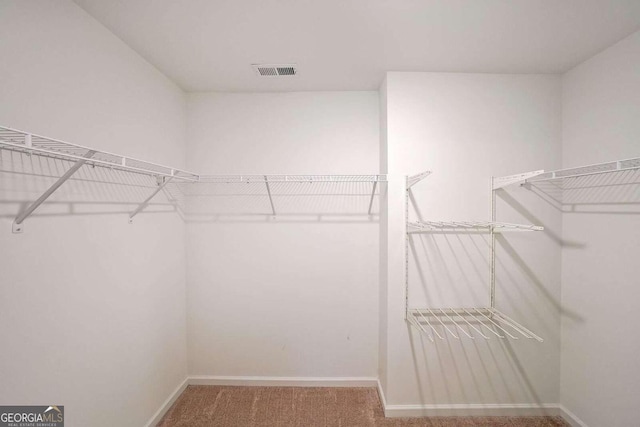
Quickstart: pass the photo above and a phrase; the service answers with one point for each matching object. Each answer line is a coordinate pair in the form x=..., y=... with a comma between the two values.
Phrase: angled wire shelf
x=467, y=226
x=616, y=182
x=24, y=142
x=581, y=171
x=78, y=156
x=472, y=323
x=560, y=175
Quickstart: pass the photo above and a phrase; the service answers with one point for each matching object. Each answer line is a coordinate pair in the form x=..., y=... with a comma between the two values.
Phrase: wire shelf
x=470, y=322
x=607, y=167
x=25, y=142
x=261, y=179
x=560, y=175
x=486, y=323
x=207, y=195
x=279, y=195
x=467, y=226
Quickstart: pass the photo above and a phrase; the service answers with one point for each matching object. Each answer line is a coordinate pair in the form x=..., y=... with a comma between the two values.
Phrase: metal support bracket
x=492, y=247
x=373, y=193
x=521, y=178
x=406, y=247
x=266, y=181
x=414, y=179
x=17, y=223
x=162, y=182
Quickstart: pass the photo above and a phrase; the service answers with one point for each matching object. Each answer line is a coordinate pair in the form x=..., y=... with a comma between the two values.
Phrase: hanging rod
x=466, y=226
x=470, y=322
x=25, y=142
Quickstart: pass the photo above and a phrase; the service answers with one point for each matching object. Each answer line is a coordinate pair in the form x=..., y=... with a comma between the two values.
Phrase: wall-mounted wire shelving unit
x=185, y=189
x=615, y=182
x=584, y=184
x=278, y=194
x=79, y=156
x=562, y=177
x=470, y=322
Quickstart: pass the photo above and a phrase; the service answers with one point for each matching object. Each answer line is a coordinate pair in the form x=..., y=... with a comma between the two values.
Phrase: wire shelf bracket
x=17, y=226
x=414, y=179
x=266, y=182
x=521, y=178
x=162, y=182
x=373, y=194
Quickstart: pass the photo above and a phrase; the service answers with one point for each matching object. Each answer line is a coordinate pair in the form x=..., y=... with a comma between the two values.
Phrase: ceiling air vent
x=275, y=70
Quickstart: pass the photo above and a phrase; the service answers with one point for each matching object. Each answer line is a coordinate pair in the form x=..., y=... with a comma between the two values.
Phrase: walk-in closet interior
x=319, y=213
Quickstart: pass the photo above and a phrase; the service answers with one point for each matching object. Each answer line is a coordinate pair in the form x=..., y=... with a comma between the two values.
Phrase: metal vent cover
x=275, y=70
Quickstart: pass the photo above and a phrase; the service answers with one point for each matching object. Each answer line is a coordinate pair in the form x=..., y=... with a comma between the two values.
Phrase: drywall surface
x=600, y=270
x=293, y=295
x=92, y=309
x=466, y=128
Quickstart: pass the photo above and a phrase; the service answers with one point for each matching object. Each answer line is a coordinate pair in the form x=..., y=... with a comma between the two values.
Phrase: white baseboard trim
x=449, y=410
x=383, y=400
x=155, y=419
x=571, y=418
x=283, y=381
x=471, y=410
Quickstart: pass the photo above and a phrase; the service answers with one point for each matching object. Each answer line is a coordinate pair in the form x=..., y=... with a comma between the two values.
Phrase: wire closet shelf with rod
x=468, y=322
x=271, y=194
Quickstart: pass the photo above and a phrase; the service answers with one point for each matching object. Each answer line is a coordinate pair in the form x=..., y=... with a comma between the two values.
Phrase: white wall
x=294, y=295
x=92, y=309
x=600, y=344
x=466, y=128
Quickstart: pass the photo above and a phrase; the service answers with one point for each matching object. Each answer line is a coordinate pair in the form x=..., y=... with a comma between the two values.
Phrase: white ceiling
x=206, y=45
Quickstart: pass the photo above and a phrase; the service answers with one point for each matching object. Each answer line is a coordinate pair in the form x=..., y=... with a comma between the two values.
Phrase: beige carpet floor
x=309, y=407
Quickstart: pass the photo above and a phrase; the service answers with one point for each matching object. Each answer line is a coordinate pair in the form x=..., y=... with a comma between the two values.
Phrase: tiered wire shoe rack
x=268, y=194
x=470, y=322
